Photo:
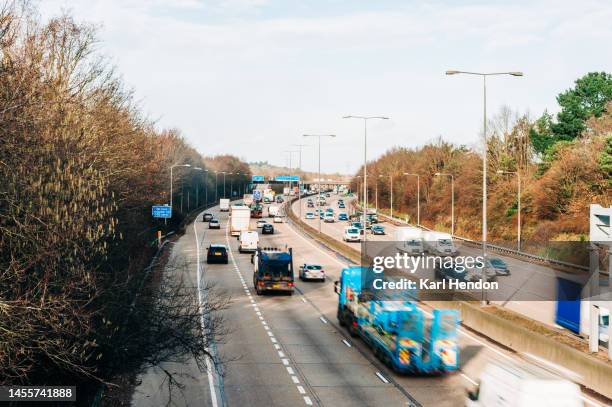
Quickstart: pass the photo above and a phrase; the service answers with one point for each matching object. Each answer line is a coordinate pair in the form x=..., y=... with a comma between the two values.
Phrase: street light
x=290, y=166
x=171, y=168
x=216, y=186
x=418, y=196
x=518, y=181
x=224, y=173
x=438, y=174
x=485, y=150
x=299, y=146
x=365, y=162
x=197, y=189
x=318, y=136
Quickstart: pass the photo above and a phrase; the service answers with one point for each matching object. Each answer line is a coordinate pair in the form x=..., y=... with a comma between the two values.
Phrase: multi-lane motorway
x=289, y=350
x=528, y=290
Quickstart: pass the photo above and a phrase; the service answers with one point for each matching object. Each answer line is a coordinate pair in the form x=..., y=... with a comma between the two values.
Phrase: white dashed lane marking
x=286, y=362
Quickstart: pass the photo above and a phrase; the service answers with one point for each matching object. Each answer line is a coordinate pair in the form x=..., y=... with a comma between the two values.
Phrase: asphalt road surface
x=290, y=350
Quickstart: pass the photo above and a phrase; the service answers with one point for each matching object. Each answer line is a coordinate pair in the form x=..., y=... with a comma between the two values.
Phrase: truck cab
x=273, y=270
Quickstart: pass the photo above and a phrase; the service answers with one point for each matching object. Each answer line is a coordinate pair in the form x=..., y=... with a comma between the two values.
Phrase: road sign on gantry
x=257, y=178
x=161, y=211
x=287, y=178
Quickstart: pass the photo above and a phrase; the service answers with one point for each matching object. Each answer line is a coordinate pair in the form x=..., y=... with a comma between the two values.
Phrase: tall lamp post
x=439, y=174
x=290, y=152
x=318, y=136
x=518, y=226
x=171, y=175
x=365, y=162
x=418, y=196
x=299, y=146
x=224, y=174
x=198, y=187
x=206, y=186
x=217, y=186
x=485, y=149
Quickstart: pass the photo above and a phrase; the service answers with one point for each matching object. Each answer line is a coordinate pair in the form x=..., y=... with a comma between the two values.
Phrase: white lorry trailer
x=409, y=239
x=240, y=218
x=224, y=204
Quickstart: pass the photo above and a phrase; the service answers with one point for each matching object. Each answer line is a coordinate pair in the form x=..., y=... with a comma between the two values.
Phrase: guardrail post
x=592, y=285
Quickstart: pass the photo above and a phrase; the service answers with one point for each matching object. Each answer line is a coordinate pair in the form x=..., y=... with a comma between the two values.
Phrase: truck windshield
x=413, y=243
x=445, y=242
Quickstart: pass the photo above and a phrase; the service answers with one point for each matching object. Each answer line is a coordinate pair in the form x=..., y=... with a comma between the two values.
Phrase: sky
x=250, y=77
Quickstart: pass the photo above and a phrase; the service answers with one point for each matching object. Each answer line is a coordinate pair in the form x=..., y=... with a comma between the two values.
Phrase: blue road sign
x=287, y=178
x=257, y=178
x=257, y=195
x=162, y=211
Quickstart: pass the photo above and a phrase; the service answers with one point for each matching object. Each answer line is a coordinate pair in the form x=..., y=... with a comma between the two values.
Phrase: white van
x=509, y=384
x=248, y=241
x=439, y=243
x=273, y=210
x=351, y=234
x=409, y=239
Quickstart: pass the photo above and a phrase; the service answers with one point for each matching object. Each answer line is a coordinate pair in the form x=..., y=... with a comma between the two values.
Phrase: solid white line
x=323, y=320
x=307, y=400
x=468, y=379
x=344, y=341
x=301, y=390
x=211, y=381
x=382, y=378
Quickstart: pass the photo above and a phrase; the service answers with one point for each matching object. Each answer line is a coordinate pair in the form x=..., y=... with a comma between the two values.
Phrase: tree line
x=80, y=168
x=564, y=163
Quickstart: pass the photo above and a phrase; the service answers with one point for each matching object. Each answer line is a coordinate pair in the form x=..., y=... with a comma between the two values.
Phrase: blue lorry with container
x=401, y=334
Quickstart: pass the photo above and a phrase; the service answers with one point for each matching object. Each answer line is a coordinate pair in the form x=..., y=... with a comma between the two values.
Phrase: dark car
x=378, y=230
x=207, y=217
x=498, y=265
x=217, y=253
x=279, y=199
x=267, y=229
x=214, y=224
